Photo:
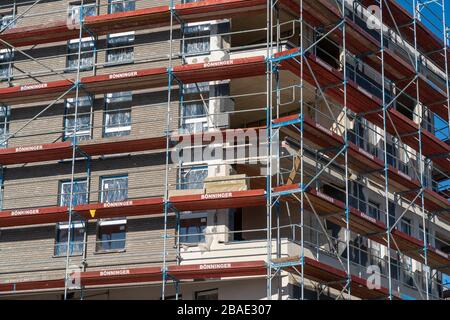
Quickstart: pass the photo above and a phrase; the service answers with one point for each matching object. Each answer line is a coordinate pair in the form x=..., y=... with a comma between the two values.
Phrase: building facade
x=224, y=149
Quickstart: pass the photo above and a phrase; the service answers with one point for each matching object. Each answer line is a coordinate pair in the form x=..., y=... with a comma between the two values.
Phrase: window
x=407, y=271
x=421, y=234
x=197, y=39
x=403, y=163
x=87, y=54
x=358, y=134
x=6, y=59
x=84, y=114
x=358, y=199
x=391, y=155
x=374, y=210
x=394, y=268
x=194, y=117
x=392, y=215
x=121, y=5
x=6, y=21
x=428, y=121
x=405, y=226
x=80, y=193
x=111, y=235
x=192, y=230
x=114, y=189
x=195, y=110
x=4, y=125
x=76, y=239
x=192, y=178
x=120, y=48
x=212, y=294
x=117, y=114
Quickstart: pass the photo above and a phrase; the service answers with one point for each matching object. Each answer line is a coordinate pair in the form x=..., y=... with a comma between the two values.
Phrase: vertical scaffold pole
x=74, y=150
x=302, y=182
x=347, y=191
x=421, y=161
x=167, y=164
x=386, y=164
x=269, y=132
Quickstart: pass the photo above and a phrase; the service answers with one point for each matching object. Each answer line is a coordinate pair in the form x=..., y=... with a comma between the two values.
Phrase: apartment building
x=327, y=165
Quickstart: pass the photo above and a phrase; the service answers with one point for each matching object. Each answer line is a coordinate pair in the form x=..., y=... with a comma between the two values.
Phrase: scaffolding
x=320, y=46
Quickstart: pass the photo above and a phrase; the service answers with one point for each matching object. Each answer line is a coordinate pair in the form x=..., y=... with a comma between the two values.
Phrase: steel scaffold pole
x=421, y=161
x=302, y=193
x=166, y=178
x=74, y=150
x=269, y=69
x=385, y=155
x=346, y=137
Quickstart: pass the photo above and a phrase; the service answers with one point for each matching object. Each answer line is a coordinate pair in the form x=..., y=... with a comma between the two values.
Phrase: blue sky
x=436, y=26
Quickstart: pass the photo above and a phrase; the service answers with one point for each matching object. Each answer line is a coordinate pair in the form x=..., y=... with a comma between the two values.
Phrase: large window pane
x=83, y=127
x=111, y=235
x=121, y=5
x=4, y=126
x=195, y=108
x=192, y=230
x=87, y=54
x=6, y=21
x=6, y=58
x=405, y=226
x=374, y=210
x=118, y=114
x=197, y=39
x=114, y=189
x=76, y=238
x=193, y=178
x=80, y=193
x=120, y=48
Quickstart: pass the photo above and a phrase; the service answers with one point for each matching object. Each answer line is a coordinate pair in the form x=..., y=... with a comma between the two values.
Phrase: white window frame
x=405, y=222
x=10, y=17
x=62, y=183
x=203, y=167
x=5, y=113
x=10, y=69
x=70, y=103
x=373, y=205
x=111, y=2
x=90, y=51
x=110, y=222
x=104, y=179
x=65, y=226
x=108, y=103
x=206, y=27
x=191, y=89
x=130, y=42
x=203, y=217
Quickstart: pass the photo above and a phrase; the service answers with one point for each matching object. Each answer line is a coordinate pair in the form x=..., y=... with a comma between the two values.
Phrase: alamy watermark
x=234, y=146
x=374, y=19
